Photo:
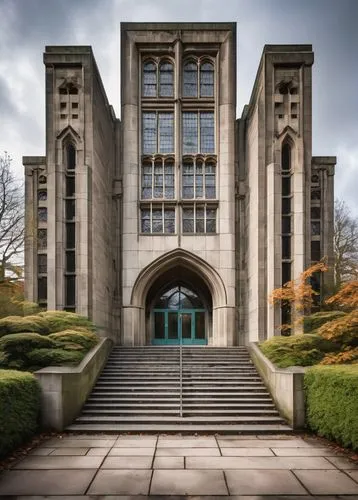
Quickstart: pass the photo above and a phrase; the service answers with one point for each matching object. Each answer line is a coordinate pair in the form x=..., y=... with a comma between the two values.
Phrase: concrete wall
x=285, y=385
x=65, y=389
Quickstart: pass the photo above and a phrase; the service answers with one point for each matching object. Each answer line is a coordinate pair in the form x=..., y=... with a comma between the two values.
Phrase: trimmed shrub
x=61, y=320
x=297, y=350
x=332, y=402
x=314, y=321
x=69, y=339
x=17, y=346
x=40, y=358
x=19, y=409
x=19, y=324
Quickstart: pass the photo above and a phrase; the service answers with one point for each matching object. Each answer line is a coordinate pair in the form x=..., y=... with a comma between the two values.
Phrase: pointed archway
x=178, y=263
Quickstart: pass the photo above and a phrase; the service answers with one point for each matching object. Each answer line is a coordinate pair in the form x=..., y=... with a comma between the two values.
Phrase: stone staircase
x=139, y=390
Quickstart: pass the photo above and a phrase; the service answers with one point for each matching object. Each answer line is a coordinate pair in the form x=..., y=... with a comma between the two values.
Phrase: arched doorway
x=178, y=316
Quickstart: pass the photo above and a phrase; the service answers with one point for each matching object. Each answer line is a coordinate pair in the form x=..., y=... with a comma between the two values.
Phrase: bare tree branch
x=11, y=216
x=345, y=244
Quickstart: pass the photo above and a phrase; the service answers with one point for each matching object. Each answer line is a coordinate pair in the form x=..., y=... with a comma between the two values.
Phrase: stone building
x=176, y=221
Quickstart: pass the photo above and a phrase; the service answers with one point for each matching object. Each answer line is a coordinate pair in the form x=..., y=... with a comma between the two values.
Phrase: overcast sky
x=26, y=26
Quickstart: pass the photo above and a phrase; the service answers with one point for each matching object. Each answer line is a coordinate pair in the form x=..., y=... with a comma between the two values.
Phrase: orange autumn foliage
x=347, y=296
x=349, y=355
x=298, y=292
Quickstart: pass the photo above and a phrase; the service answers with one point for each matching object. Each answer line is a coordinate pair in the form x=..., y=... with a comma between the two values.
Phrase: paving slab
x=80, y=443
x=70, y=451
x=188, y=482
x=247, y=452
x=207, y=442
x=168, y=463
x=132, y=452
x=187, y=452
x=261, y=443
x=263, y=482
x=64, y=462
x=327, y=482
x=41, y=451
x=98, y=452
x=127, y=463
x=304, y=452
x=121, y=482
x=135, y=443
x=343, y=463
x=258, y=463
x=353, y=474
x=45, y=482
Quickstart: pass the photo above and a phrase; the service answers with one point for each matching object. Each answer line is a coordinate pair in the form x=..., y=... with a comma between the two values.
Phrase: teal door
x=177, y=322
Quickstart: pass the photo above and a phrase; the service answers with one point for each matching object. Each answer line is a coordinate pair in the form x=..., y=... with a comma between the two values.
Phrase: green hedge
x=332, y=402
x=19, y=324
x=314, y=321
x=39, y=358
x=19, y=409
x=69, y=339
x=61, y=320
x=297, y=350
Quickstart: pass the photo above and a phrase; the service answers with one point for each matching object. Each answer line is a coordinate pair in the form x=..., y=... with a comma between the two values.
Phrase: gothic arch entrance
x=180, y=311
x=179, y=268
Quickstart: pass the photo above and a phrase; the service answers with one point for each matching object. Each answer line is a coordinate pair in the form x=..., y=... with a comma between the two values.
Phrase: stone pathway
x=126, y=466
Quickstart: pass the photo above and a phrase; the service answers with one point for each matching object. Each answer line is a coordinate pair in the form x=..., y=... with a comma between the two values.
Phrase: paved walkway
x=244, y=467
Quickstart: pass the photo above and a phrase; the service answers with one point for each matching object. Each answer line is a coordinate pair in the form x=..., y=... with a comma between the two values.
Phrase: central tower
x=178, y=96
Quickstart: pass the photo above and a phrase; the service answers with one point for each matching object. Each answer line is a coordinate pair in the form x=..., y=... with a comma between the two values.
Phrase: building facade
x=174, y=223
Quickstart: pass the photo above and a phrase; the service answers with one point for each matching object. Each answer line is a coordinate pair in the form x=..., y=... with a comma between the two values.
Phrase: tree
x=11, y=217
x=345, y=244
x=298, y=294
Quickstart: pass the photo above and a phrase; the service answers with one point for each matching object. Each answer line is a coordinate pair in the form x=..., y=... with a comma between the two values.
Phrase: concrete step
x=182, y=428
x=139, y=390
x=203, y=420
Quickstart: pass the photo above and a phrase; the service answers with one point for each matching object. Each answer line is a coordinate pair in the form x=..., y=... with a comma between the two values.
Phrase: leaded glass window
x=42, y=238
x=207, y=80
x=158, y=219
x=42, y=214
x=149, y=130
x=158, y=179
x=207, y=142
x=158, y=132
x=166, y=79
x=198, y=132
x=42, y=263
x=42, y=195
x=190, y=79
x=166, y=132
x=199, y=219
x=198, y=179
x=149, y=79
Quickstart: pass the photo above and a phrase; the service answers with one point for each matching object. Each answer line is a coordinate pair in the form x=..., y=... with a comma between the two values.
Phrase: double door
x=183, y=326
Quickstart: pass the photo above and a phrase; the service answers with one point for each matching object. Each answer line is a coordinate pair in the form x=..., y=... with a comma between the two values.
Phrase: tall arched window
x=207, y=80
x=166, y=79
x=190, y=77
x=149, y=79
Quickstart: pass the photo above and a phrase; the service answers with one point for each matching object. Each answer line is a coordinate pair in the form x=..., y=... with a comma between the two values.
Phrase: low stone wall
x=285, y=385
x=65, y=389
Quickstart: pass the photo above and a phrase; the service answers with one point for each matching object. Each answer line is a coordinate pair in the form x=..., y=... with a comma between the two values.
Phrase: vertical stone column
x=327, y=229
x=133, y=322
x=273, y=247
x=30, y=231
